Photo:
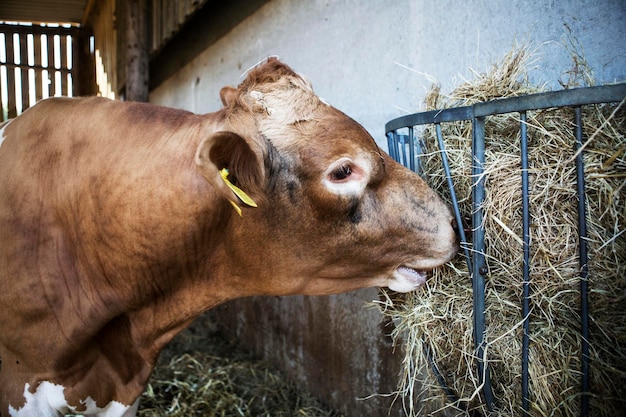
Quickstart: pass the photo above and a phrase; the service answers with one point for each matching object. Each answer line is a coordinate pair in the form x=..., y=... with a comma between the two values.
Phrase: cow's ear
x=231, y=166
x=227, y=95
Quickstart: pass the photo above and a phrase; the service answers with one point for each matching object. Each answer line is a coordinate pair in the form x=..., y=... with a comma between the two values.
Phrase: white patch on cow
x=355, y=183
x=259, y=98
x=2, y=127
x=283, y=105
x=49, y=400
x=347, y=188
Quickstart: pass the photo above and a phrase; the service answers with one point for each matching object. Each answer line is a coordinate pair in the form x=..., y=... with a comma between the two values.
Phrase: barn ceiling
x=44, y=11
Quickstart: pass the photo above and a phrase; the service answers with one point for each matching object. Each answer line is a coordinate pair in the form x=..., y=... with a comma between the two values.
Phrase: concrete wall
x=357, y=52
x=373, y=60
x=335, y=346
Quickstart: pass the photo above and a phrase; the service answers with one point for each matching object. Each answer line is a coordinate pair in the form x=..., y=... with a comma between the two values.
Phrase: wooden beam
x=137, y=63
x=86, y=20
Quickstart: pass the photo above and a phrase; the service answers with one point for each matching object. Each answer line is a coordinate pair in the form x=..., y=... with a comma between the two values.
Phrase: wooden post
x=10, y=53
x=137, y=63
x=24, y=72
x=52, y=85
x=38, y=71
x=83, y=64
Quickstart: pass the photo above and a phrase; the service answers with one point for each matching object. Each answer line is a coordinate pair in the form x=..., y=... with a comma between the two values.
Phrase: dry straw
x=202, y=374
x=438, y=319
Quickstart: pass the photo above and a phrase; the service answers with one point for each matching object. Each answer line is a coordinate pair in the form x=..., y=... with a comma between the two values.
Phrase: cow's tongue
x=419, y=278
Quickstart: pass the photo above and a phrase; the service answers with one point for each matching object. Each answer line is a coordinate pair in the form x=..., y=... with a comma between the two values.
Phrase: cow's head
x=334, y=213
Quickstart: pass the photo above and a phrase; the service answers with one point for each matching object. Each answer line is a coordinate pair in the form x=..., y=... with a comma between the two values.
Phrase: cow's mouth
x=408, y=279
x=419, y=277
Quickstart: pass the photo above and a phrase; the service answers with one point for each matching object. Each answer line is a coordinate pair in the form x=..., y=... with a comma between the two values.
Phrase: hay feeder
x=531, y=319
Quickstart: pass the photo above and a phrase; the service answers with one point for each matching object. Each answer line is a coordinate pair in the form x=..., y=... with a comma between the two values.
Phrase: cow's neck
x=186, y=277
x=133, y=339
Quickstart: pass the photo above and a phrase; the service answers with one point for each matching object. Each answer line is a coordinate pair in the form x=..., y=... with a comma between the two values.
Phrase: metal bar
x=397, y=142
x=419, y=152
x=411, y=138
x=434, y=116
x=479, y=265
x=442, y=381
x=402, y=141
x=455, y=203
x=391, y=145
x=584, y=272
x=396, y=148
x=444, y=386
x=526, y=263
x=562, y=98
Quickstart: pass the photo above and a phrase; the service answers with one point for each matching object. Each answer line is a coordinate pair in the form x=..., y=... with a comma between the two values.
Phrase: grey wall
x=374, y=60
x=357, y=52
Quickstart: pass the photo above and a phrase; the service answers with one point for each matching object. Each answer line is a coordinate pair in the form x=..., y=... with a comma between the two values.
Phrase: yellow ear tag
x=245, y=198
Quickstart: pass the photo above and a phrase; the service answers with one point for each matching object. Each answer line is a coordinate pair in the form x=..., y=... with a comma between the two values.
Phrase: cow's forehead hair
x=267, y=73
x=282, y=97
x=258, y=64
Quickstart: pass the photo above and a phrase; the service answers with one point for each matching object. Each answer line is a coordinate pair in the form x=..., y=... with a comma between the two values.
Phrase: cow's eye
x=341, y=173
x=347, y=176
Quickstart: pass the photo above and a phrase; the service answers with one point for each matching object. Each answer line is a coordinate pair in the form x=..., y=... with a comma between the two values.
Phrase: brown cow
x=117, y=229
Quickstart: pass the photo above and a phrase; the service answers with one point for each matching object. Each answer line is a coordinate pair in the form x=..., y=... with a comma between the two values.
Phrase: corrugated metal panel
x=58, y=11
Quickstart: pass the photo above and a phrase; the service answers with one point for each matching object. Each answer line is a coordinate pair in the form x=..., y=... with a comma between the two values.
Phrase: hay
x=439, y=317
x=202, y=374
